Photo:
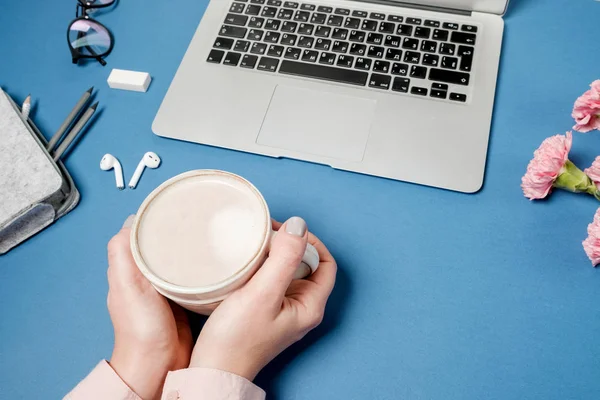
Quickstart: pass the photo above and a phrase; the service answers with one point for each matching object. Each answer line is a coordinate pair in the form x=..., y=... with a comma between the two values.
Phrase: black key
x=401, y=85
x=440, y=94
x=272, y=24
x=345, y=61
x=323, y=44
x=276, y=3
x=236, y=19
x=339, y=33
x=449, y=62
x=421, y=32
x=257, y=1
x=375, y=51
x=458, y=97
x=463, y=37
x=232, y=59
x=289, y=26
x=352, y=23
x=449, y=25
x=468, y=28
x=393, y=54
x=308, y=7
x=242, y=45
x=288, y=39
x=323, y=31
x=237, y=8
x=375, y=15
x=306, y=42
x=327, y=58
x=285, y=13
x=381, y=66
x=405, y=30
x=431, y=59
x=418, y=90
x=447, y=48
x=326, y=73
x=412, y=57
x=387, y=27
x=439, y=86
x=363, y=63
x=380, y=81
x=318, y=18
x=306, y=29
x=292, y=53
x=410, y=43
x=443, y=75
x=269, y=12
x=268, y=64
x=275, y=51
x=339, y=46
x=223, y=43
x=360, y=14
x=324, y=9
x=428, y=46
x=291, y=4
x=369, y=25
x=440, y=34
x=335, y=20
x=413, y=21
x=233, y=31
x=301, y=16
x=248, y=61
x=417, y=71
x=342, y=11
x=435, y=24
x=256, y=22
x=357, y=36
x=310, y=55
x=255, y=34
x=253, y=9
x=358, y=49
x=215, y=56
x=399, y=69
x=272, y=37
x=374, y=38
x=395, y=18
x=392, y=41
x=466, y=59
x=258, y=48
x=465, y=51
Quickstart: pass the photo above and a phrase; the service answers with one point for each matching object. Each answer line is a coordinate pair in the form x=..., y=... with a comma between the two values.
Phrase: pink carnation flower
x=591, y=245
x=548, y=161
x=594, y=172
x=586, y=110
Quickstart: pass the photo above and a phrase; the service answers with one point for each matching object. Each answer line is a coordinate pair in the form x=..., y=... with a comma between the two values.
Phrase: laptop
x=400, y=90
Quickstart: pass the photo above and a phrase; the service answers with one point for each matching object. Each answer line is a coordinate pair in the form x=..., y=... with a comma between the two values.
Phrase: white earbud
x=109, y=162
x=150, y=160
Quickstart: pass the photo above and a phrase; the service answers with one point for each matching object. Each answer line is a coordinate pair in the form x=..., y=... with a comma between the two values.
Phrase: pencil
x=75, y=131
x=69, y=120
x=26, y=108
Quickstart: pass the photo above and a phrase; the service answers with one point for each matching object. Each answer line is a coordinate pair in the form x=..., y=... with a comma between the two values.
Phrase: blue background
x=440, y=295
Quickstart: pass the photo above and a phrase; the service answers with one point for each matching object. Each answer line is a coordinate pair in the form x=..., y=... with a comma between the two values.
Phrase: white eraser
x=129, y=80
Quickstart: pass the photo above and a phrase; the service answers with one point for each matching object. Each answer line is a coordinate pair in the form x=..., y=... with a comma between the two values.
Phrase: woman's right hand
x=272, y=311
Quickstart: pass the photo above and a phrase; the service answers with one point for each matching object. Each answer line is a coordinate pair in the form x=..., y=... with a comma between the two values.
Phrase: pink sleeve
x=102, y=383
x=209, y=384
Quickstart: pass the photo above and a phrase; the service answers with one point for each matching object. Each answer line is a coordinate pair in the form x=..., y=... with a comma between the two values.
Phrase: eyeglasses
x=87, y=37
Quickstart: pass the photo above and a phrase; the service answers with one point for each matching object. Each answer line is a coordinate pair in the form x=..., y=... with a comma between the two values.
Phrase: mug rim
x=196, y=290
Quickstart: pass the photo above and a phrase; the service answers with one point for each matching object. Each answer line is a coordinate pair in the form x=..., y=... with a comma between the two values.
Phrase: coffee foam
x=202, y=229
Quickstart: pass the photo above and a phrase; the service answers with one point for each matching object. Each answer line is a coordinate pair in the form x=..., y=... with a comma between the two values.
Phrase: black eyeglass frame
x=83, y=7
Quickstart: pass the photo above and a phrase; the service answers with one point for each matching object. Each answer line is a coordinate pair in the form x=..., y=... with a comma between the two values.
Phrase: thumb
x=121, y=266
x=287, y=248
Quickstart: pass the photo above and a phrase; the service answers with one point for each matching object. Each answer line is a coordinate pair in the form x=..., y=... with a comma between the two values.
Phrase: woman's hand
x=152, y=336
x=272, y=311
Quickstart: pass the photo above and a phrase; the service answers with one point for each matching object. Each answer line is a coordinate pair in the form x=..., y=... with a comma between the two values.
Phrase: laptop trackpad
x=318, y=123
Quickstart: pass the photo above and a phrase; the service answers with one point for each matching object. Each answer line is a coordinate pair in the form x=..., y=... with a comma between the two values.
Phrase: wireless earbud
x=150, y=160
x=109, y=162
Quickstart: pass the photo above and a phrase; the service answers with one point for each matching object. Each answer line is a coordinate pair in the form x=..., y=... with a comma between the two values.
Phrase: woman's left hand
x=152, y=335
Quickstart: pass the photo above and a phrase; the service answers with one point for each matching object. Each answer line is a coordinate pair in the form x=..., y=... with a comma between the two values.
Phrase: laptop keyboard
x=385, y=52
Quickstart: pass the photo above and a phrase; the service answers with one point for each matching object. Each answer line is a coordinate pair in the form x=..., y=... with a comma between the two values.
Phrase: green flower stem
x=575, y=180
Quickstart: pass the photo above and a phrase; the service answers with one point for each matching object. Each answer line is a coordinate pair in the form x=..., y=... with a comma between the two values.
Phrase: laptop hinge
x=416, y=6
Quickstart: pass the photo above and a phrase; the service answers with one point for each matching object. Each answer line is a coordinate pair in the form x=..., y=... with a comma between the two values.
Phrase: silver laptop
x=401, y=90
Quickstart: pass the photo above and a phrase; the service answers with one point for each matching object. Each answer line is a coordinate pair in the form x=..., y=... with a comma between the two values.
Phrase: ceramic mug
x=203, y=234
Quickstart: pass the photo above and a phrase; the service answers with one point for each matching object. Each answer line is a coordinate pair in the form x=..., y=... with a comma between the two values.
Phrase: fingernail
x=295, y=226
x=129, y=221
